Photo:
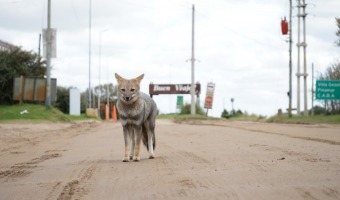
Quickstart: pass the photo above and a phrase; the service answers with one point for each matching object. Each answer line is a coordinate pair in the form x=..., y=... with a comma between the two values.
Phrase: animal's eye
x=123, y=90
x=132, y=90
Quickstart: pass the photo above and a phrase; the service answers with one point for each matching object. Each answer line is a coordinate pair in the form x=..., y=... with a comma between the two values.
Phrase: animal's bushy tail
x=145, y=137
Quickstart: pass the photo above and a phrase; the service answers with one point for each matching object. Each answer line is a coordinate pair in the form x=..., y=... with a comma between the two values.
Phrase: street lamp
x=232, y=106
x=90, y=19
x=100, y=48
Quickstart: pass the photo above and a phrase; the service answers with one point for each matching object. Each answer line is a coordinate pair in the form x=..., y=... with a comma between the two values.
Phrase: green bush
x=186, y=109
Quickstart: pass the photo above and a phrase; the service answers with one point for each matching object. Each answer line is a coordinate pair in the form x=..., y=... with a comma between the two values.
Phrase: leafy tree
x=225, y=114
x=186, y=109
x=63, y=99
x=17, y=62
x=338, y=31
x=318, y=110
x=105, y=90
x=239, y=113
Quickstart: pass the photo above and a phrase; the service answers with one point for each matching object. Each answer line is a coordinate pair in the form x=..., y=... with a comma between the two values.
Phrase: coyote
x=137, y=113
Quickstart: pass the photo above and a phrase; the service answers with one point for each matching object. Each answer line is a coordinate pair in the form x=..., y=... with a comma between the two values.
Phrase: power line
x=76, y=14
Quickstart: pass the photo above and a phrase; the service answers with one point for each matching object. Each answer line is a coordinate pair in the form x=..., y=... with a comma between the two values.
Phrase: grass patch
x=253, y=118
x=182, y=118
x=35, y=112
x=316, y=119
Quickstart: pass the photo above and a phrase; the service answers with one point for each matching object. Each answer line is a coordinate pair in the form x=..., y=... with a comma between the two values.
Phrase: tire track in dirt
x=184, y=184
x=80, y=186
x=22, y=169
x=23, y=135
x=223, y=124
x=291, y=154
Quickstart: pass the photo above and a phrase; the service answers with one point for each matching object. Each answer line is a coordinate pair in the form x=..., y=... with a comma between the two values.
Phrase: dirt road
x=227, y=160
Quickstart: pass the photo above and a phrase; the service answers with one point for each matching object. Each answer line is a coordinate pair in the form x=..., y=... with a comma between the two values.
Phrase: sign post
x=328, y=89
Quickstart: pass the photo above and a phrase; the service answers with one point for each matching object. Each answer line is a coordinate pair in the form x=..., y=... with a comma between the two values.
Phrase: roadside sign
x=156, y=89
x=209, y=96
x=328, y=89
x=179, y=102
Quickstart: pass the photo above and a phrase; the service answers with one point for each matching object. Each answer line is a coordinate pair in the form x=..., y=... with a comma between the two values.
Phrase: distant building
x=5, y=46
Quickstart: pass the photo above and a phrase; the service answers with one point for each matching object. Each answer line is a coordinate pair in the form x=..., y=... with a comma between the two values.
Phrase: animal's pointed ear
x=139, y=78
x=119, y=78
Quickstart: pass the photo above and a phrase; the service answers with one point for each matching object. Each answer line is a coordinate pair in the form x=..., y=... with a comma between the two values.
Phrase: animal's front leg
x=132, y=138
x=127, y=140
x=137, y=138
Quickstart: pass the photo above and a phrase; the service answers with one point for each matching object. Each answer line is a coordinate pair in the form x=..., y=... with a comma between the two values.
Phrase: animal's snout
x=127, y=98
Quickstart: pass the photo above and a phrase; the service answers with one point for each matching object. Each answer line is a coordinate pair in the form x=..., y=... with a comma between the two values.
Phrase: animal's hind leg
x=150, y=145
x=150, y=134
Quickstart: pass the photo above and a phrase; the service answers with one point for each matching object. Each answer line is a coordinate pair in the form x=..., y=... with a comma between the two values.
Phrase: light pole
x=100, y=49
x=48, y=58
x=290, y=60
x=232, y=106
x=89, y=97
x=192, y=91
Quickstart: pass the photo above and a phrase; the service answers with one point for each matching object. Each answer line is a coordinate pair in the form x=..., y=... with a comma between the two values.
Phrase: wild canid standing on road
x=137, y=113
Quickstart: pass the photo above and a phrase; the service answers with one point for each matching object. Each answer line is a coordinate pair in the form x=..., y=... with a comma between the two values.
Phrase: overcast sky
x=239, y=45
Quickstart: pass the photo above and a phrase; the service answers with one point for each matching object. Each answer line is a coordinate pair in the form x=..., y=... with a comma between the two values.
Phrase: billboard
x=33, y=89
x=156, y=89
x=209, y=97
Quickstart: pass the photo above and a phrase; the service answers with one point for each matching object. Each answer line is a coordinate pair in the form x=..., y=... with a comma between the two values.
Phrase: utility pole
x=298, y=74
x=304, y=5
x=48, y=57
x=192, y=91
x=100, y=58
x=39, y=47
x=100, y=91
x=304, y=45
x=89, y=95
x=290, y=59
x=313, y=89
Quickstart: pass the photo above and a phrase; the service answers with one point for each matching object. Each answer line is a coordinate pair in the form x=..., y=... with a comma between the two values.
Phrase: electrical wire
x=76, y=14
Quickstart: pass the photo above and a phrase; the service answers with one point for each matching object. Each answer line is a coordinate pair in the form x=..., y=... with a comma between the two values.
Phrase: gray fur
x=137, y=116
x=141, y=113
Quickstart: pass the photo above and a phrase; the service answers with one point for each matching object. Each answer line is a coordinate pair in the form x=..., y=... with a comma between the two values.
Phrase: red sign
x=208, y=100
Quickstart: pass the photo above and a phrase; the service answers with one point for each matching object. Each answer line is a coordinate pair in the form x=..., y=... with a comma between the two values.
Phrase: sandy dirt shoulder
x=208, y=160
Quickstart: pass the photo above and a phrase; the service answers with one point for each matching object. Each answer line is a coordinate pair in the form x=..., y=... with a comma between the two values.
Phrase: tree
x=338, y=31
x=105, y=90
x=63, y=99
x=17, y=62
x=225, y=114
x=186, y=109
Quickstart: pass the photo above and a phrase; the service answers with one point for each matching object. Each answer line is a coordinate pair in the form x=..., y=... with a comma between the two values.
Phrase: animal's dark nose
x=127, y=98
